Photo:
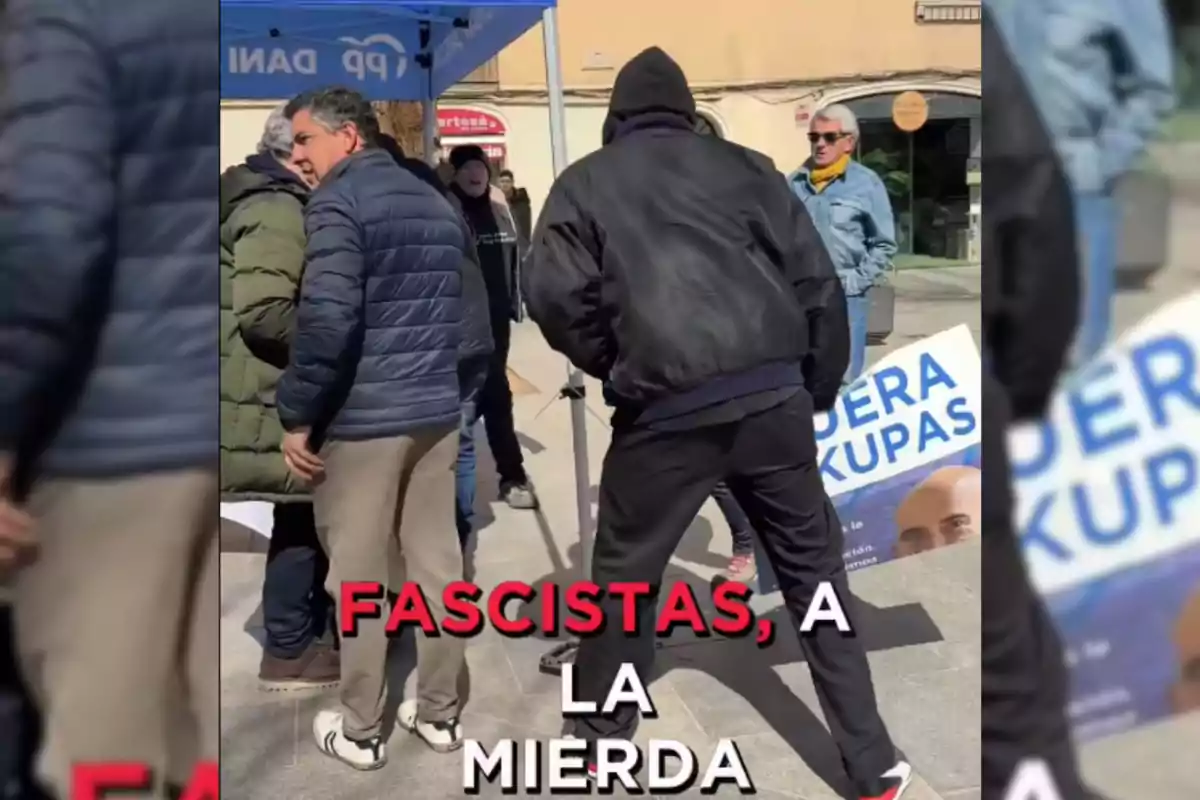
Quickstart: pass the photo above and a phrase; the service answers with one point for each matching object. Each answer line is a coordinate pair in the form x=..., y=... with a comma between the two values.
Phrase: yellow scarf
x=823, y=176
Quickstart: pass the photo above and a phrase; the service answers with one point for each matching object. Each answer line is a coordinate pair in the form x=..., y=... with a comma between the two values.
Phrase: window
x=937, y=12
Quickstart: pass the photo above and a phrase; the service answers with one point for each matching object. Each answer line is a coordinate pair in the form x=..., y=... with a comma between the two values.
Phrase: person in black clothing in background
x=519, y=205
x=497, y=244
x=682, y=270
x=1030, y=312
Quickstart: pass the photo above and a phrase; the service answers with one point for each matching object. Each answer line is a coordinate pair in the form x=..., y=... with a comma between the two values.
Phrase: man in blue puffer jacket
x=109, y=377
x=371, y=406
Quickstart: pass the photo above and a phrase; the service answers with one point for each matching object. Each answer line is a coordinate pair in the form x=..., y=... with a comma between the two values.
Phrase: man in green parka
x=262, y=258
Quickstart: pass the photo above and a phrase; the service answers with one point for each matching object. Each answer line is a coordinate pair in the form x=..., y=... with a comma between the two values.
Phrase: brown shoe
x=318, y=666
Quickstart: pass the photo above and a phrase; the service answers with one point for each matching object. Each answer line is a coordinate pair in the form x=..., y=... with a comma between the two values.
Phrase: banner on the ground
x=1108, y=508
x=899, y=453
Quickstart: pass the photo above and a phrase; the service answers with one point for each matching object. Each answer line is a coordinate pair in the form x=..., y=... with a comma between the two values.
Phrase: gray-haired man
x=262, y=260
x=851, y=209
x=370, y=402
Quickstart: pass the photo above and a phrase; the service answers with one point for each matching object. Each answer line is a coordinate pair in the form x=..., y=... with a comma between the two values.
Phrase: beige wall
x=753, y=64
x=764, y=120
x=747, y=41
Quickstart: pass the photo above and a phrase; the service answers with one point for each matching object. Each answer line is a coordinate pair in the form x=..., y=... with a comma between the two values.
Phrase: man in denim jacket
x=850, y=207
x=1101, y=74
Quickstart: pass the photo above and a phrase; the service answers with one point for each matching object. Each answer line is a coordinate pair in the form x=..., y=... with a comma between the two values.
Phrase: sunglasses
x=828, y=138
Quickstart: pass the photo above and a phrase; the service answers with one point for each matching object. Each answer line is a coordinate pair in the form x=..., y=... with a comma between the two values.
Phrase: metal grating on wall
x=935, y=12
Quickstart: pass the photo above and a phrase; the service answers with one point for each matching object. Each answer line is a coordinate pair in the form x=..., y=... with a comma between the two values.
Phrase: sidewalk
x=919, y=619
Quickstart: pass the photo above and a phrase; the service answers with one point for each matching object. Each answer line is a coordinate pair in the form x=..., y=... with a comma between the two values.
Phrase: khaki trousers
x=117, y=623
x=380, y=495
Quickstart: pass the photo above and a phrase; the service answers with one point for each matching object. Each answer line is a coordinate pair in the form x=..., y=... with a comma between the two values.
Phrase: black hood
x=650, y=84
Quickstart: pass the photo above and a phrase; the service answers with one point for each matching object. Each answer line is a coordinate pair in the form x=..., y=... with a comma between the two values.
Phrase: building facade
x=759, y=70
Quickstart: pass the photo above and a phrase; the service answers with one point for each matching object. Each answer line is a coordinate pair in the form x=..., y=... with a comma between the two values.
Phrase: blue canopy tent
x=386, y=49
x=397, y=50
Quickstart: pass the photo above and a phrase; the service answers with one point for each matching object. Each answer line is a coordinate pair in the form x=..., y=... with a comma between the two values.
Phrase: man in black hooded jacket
x=680, y=269
x=1030, y=301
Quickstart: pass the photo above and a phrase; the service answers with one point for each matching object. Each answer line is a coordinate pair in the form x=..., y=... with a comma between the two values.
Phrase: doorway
x=930, y=174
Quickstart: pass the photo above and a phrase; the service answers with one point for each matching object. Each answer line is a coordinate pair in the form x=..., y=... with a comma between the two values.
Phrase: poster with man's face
x=943, y=509
x=1109, y=533
x=1185, y=695
x=900, y=454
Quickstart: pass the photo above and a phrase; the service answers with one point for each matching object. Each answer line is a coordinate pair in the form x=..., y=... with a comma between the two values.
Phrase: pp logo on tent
x=361, y=60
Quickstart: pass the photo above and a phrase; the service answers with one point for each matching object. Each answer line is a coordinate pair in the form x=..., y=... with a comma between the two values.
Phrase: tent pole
x=574, y=389
x=429, y=124
x=575, y=386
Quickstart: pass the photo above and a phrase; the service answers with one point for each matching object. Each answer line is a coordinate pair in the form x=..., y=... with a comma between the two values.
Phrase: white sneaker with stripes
x=365, y=755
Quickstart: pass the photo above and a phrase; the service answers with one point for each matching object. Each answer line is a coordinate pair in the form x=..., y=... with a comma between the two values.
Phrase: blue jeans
x=1096, y=220
x=735, y=517
x=472, y=373
x=858, y=310
x=296, y=607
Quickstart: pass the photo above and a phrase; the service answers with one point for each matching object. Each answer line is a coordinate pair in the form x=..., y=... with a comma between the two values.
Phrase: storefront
x=459, y=125
x=514, y=134
x=928, y=156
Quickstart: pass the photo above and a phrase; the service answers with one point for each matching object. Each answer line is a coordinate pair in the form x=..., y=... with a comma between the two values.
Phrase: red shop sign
x=468, y=122
x=494, y=152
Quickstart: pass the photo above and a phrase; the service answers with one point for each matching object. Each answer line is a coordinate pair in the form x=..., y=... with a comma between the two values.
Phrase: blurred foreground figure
x=108, y=371
x=498, y=243
x=1100, y=74
x=683, y=271
x=1031, y=284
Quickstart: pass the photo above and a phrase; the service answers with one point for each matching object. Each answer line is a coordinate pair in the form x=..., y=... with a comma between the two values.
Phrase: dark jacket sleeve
x=56, y=191
x=810, y=271
x=516, y=258
x=561, y=284
x=425, y=172
x=1031, y=290
x=329, y=320
x=268, y=260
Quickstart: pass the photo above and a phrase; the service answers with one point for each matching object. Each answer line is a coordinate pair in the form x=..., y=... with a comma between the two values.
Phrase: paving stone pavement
x=920, y=620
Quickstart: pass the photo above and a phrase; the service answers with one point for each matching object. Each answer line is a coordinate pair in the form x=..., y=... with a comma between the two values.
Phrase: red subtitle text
x=582, y=609
x=96, y=781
